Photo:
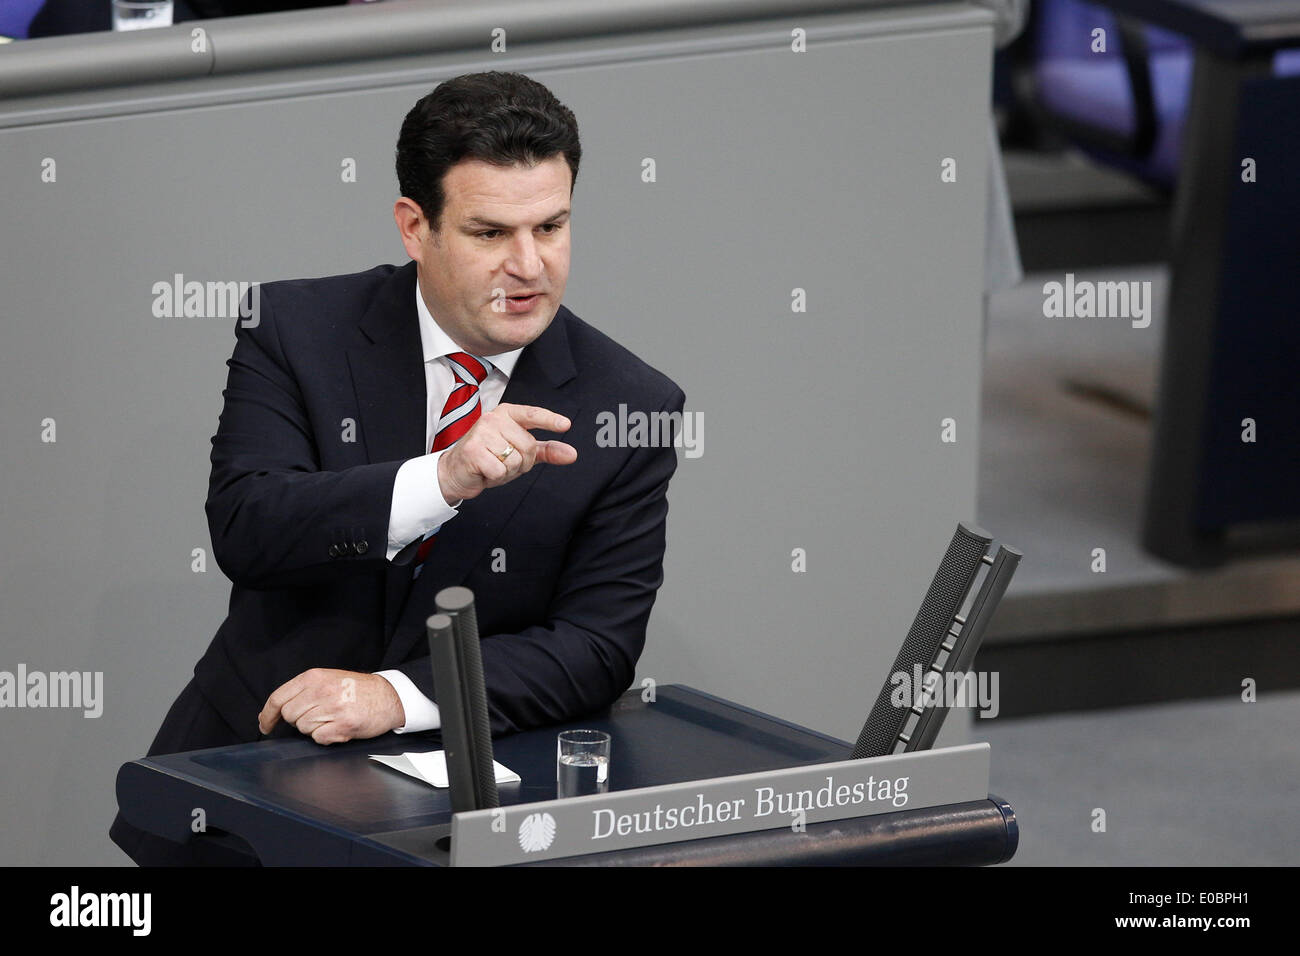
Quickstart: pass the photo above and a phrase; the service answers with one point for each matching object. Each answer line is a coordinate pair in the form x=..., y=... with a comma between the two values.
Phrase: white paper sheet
x=431, y=767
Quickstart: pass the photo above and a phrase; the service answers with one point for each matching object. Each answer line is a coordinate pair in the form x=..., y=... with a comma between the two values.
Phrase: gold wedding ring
x=503, y=455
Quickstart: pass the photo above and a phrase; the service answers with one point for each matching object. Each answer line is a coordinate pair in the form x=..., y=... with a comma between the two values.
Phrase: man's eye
x=493, y=233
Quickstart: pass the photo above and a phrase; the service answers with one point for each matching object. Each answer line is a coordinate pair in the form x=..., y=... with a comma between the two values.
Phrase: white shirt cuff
x=418, y=505
x=421, y=713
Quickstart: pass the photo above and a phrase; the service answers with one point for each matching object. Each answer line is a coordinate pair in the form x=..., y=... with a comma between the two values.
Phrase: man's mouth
x=522, y=303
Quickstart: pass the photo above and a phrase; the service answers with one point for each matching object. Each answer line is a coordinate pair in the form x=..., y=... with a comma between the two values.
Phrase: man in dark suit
x=336, y=522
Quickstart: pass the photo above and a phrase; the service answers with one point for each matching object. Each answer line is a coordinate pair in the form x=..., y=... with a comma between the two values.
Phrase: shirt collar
x=437, y=343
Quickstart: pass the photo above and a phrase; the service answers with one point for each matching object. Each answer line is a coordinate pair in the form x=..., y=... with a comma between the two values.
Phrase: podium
x=297, y=803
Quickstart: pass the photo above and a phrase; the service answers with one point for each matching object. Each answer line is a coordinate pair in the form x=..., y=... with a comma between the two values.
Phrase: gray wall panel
x=775, y=170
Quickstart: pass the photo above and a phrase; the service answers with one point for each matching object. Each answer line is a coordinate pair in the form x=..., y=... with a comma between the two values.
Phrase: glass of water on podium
x=141, y=14
x=581, y=763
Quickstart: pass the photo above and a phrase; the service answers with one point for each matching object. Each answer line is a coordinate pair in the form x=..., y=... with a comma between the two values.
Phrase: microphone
x=942, y=641
x=457, y=663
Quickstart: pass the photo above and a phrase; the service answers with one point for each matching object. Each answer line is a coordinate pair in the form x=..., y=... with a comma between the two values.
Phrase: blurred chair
x=61, y=17
x=16, y=16
x=1126, y=106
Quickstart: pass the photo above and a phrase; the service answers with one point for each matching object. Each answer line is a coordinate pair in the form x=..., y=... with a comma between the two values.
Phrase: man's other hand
x=333, y=706
x=476, y=462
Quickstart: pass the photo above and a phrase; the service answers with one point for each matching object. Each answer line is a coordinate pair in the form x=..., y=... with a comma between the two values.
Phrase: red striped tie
x=459, y=414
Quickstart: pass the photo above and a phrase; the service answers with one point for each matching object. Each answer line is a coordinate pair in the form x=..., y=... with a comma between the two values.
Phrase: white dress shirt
x=418, y=505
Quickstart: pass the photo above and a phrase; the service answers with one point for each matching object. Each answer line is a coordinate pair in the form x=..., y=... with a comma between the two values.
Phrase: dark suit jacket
x=299, y=513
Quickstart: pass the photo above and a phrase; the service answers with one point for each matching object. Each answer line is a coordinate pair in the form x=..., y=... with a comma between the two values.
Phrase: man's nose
x=524, y=260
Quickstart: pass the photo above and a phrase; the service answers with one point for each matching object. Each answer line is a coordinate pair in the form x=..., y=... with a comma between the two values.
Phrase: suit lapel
x=388, y=378
x=544, y=377
x=388, y=373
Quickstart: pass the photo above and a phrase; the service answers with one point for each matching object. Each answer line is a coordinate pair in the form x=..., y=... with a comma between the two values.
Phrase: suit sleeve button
x=362, y=546
x=334, y=550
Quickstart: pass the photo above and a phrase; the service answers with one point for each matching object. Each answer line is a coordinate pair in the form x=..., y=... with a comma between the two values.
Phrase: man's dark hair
x=499, y=118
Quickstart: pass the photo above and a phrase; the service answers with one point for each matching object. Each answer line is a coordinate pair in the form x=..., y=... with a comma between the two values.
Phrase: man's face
x=504, y=232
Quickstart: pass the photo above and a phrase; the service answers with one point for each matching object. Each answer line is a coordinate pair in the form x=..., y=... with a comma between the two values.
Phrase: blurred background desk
x=1201, y=99
x=1232, y=340
x=1099, y=438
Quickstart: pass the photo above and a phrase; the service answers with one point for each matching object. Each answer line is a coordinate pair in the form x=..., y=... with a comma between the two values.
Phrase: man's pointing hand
x=498, y=449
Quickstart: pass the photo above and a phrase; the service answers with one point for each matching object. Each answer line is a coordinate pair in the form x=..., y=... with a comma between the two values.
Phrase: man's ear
x=412, y=227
